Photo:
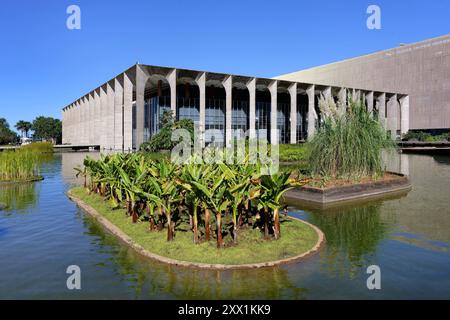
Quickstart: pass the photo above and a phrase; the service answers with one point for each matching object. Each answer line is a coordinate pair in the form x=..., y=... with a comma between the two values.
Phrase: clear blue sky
x=44, y=66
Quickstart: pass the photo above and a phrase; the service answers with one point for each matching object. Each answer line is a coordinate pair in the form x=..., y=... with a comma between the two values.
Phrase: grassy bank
x=297, y=238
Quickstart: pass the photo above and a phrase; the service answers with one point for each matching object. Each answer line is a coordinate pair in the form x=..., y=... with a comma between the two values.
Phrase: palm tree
x=23, y=127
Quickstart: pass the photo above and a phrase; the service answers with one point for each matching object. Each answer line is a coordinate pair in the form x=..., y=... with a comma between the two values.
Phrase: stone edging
x=147, y=254
x=322, y=198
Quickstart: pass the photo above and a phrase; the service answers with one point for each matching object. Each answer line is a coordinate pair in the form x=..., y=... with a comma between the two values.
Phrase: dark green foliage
x=425, y=136
x=348, y=146
x=162, y=140
x=23, y=126
x=47, y=128
x=7, y=136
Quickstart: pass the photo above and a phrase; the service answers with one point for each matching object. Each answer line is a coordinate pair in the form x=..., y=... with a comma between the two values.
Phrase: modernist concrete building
x=420, y=69
x=124, y=111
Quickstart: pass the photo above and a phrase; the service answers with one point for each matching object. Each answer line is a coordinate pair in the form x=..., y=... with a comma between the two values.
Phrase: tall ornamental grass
x=19, y=165
x=40, y=147
x=349, y=142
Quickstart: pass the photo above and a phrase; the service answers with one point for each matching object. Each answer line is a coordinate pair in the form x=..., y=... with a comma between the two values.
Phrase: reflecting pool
x=42, y=233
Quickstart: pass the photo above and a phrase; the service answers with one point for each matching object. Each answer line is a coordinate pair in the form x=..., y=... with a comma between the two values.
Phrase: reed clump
x=40, y=147
x=20, y=165
x=348, y=143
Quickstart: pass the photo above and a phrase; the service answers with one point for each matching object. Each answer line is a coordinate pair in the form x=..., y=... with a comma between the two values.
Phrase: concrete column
x=356, y=95
x=69, y=124
x=82, y=120
x=251, y=86
x=369, y=102
x=63, y=127
x=327, y=94
x=404, y=114
x=228, y=86
x=201, y=82
x=91, y=117
x=69, y=136
x=127, y=113
x=77, y=122
x=172, y=79
x=382, y=109
x=110, y=123
x=293, y=116
x=343, y=95
x=141, y=80
x=103, y=118
x=64, y=124
x=96, y=137
x=392, y=115
x=118, y=113
x=273, y=88
x=312, y=115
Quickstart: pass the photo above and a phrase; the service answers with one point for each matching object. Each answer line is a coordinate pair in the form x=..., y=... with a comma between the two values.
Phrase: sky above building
x=45, y=66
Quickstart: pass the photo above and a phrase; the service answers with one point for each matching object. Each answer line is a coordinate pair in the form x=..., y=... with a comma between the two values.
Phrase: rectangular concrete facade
x=421, y=69
x=126, y=110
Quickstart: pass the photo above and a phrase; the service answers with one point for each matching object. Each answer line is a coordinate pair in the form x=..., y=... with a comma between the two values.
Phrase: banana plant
x=274, y=187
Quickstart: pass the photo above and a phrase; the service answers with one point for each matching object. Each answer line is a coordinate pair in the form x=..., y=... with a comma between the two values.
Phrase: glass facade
x=283, y=122
x=262, y=120
x=239, y=118
x=188, y=108
x=154, y=108
x=302, y=117
x=215, y=121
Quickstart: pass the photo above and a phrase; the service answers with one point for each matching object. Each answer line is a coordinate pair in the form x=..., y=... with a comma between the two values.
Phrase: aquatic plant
x=19, y=165
x=40, y=147
x=348, y=143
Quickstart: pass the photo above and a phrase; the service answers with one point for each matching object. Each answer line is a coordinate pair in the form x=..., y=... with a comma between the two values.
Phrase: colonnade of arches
x=127, y=110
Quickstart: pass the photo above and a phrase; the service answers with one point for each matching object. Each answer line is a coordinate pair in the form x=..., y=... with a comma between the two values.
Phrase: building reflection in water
x=161, y=281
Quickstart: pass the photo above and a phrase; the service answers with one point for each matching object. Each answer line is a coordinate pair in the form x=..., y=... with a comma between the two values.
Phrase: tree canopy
x=6, y=134
x=47, y=128
x=23, y=127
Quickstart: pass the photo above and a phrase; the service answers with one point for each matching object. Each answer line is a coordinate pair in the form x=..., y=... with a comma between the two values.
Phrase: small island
x=22, y=164
x=202, y=215
x=343, y=161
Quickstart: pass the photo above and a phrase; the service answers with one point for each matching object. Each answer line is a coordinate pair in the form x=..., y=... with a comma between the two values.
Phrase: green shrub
x=348, y=144
x=425, y=136
x=163, y=139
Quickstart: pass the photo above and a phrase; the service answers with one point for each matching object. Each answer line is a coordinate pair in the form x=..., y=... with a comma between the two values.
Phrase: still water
x=42, y=233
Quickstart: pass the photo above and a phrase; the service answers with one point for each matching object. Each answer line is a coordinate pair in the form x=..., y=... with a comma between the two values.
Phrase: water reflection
x=407, y=236
x=161, y=281
x=19, y=196
x=352, y=233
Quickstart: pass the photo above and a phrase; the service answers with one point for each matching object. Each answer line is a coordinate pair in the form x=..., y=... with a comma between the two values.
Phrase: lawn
x=296, y=238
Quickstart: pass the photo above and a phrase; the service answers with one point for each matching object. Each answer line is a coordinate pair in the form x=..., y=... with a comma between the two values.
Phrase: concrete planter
x=119, y=234
x=327, y=197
